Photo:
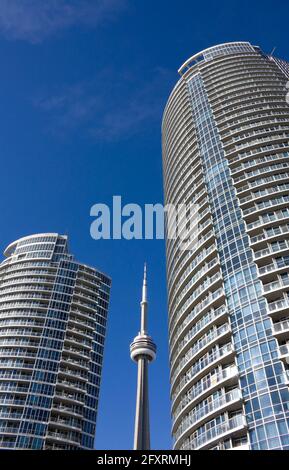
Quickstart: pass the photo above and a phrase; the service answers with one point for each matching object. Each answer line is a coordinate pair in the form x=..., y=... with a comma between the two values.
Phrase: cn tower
x=142, y=351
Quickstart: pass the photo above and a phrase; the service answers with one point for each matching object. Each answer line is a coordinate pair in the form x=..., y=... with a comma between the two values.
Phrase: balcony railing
x=276, y=285
x=271, y=251
x=278, y=305
x=284, y=350
x=203, y=363
x=206, y=320
x=199, y=307
x=196, y=415
x=192, y=266
x=198, y=275
x=206, y=340
x=281, y=327
x=201, y=289
x=215, y=432
x=64, y=436
x=264, y=236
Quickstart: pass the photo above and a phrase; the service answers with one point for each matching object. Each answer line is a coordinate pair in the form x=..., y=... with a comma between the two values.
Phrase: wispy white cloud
x=112, y=106
x=36, y=20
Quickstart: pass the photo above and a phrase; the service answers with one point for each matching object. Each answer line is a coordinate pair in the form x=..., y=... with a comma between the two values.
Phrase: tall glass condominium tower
x=226, y=154
x=53, y=314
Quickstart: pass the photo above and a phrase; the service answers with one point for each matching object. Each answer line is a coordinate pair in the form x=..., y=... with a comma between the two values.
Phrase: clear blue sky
x=82, y=88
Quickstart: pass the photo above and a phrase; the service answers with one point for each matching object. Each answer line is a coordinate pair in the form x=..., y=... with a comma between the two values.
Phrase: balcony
x=277, y=307
x=176, y=263
x=68, y=410
x=214, y=316
x=270, y=269
x=64, y=437
x=75, y=341
x=220, y=355
x=197, y=294
x=207, y=268
x=81, y=353
x=74, y=363
x=201, y=346
x=66, y=384
x=282, y=247
x=284, y=353
x=66, y=423
x=195, y=419
x=69, y=397
x=14, y=402
x=267, y=221
x=279, y=231
x=76, y=374
x=206, y=386
x=10, y=416
x=8, y=430
x=275, y=287
x=213, y=299
x=175, y=285
x=234, y=425
x=13, y=375
x=281, y=330
x=7, y=444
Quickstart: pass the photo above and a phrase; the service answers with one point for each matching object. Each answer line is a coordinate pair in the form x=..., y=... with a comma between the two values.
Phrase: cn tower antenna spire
x=144, y=302
x=142, y=351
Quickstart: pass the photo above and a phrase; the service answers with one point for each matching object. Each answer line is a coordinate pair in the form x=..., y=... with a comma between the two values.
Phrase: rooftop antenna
x=273, y=50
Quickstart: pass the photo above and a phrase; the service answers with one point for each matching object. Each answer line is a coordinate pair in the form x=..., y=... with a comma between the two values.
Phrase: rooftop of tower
x=218, y=50
x=223, y=49
x=39, y=238
x=9, y=249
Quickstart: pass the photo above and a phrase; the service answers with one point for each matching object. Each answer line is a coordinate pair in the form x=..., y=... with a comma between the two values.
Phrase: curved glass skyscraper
x=53, y=314
x=226, y=155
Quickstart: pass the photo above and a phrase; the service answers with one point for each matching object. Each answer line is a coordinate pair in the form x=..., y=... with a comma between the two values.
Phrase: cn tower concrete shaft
x=142, y=425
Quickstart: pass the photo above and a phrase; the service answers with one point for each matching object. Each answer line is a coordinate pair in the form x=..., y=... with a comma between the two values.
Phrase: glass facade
x=225, y=149
x=53, y=313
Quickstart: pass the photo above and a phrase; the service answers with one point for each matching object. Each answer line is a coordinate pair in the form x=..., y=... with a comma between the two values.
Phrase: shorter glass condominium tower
x=53, y=313
x=226, y=156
